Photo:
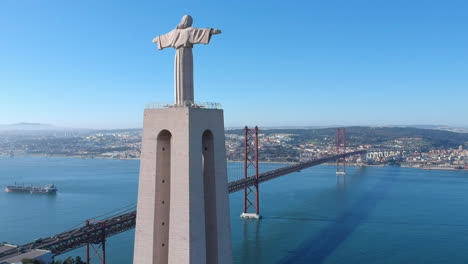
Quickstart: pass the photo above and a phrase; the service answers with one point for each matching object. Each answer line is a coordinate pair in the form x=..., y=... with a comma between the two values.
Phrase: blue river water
x=379, y=215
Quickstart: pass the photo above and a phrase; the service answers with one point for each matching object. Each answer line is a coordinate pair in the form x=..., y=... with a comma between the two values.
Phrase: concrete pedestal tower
x=183, y=207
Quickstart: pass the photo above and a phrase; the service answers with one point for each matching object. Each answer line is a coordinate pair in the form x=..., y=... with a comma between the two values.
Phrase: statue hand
x=155, y=40
x=215, y=31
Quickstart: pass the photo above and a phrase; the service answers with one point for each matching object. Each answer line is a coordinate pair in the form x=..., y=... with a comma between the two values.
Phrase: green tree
x=69, y=260
x=79, y=261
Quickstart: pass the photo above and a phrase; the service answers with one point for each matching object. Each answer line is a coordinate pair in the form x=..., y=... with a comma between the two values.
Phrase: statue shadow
x=317, y=248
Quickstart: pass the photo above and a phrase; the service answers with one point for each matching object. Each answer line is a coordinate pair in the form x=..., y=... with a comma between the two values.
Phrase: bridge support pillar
x=251, y=193
x=340, y=149
x=96, y=245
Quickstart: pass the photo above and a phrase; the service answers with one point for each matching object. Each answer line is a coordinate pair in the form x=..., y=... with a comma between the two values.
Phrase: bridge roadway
x=238, y=185
x=95, y=232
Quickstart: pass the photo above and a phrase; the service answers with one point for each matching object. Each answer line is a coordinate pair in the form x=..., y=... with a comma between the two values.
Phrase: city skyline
x=358, y=63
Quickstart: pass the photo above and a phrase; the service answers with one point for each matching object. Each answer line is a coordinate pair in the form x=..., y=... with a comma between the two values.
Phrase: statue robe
x=182, y=40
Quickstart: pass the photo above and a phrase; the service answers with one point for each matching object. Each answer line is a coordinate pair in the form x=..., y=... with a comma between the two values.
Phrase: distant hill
x=377, y=136
x=27, y=126
x=439, y=127
x=429, y=138
x=38, y=129
x=433, y=127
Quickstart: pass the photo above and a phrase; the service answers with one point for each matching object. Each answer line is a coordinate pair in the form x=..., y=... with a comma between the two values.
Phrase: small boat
x=48, y=189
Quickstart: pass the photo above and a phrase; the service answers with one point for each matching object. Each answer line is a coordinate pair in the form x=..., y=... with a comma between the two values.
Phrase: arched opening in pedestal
x=209, y=186
x=162, y=199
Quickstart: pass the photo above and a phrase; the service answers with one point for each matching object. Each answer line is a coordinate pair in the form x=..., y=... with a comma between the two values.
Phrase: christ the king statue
x=182, y=39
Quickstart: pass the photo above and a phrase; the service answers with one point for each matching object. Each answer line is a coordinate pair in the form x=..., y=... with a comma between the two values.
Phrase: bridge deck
x=270, y=175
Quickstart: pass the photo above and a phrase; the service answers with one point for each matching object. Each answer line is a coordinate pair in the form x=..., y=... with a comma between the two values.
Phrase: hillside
x=418, y=138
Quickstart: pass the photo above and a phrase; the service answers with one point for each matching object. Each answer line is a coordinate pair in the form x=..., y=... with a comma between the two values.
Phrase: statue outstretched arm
x=215, y=31
x=164, y=41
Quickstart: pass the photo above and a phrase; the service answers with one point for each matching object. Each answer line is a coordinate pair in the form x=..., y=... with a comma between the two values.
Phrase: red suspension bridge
x=92, y=234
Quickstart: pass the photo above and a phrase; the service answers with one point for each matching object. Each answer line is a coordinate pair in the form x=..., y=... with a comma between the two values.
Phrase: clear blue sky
x=92, y=64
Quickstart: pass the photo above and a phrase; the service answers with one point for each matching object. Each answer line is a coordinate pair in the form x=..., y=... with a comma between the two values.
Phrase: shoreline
x=435, y=168
x=65, y=156
x=238, y=161
x=109, y=158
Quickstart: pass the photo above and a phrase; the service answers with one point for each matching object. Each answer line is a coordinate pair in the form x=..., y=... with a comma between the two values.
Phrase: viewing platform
x=191, y=104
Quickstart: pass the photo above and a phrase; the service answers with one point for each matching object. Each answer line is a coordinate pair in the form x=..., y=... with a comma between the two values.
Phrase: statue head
x=186, y=22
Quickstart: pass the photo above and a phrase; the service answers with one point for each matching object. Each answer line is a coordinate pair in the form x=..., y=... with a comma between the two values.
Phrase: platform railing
x=192, y=104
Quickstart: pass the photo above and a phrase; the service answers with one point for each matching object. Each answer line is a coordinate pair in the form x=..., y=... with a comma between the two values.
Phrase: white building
x=43, y=256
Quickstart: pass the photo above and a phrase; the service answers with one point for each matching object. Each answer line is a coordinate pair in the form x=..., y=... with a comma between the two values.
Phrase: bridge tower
x=251, y=193
x=96, y=245
x=340, y=149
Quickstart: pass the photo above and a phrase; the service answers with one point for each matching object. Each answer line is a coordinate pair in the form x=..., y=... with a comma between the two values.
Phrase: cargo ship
x=48, y=189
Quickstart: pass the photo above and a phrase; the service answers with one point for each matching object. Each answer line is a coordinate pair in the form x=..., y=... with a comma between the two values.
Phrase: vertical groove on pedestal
x=209, y=185
x=162, y=199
